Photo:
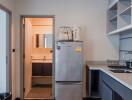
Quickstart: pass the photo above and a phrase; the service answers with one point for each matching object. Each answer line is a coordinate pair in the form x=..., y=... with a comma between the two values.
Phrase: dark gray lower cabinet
x=109, y=94
x=93, y=84
x=106, y=87
x=116, y=96
x=106, y=92
x=109, y=88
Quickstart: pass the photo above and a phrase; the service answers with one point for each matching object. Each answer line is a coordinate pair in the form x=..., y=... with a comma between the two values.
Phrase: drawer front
x=123, y=91
x=42, y=69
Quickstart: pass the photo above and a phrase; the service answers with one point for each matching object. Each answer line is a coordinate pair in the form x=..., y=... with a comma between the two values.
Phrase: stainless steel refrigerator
x=68, y=70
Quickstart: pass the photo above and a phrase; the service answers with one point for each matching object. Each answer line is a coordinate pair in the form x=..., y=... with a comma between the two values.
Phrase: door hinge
x=23, y=56
x=13, y=50
x=23, y=21
x=23, y=25
x=23, y=89
x=6, y=59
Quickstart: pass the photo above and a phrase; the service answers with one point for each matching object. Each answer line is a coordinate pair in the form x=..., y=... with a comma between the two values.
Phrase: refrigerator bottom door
x=68, y=91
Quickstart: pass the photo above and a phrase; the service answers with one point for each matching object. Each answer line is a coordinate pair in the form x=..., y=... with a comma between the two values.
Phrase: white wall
x=9, y=4
x=90, y=15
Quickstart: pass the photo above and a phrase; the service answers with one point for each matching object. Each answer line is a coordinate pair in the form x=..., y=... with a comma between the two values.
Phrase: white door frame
x=22, y=42
x=10, y=50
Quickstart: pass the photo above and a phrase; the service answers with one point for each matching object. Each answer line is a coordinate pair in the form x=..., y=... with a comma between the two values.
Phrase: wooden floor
x=40, y=94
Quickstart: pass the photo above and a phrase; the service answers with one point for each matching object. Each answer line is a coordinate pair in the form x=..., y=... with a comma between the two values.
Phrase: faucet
x=44, y=58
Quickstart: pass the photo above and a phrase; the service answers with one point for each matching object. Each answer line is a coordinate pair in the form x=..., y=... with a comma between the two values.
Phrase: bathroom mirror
x=43, y=40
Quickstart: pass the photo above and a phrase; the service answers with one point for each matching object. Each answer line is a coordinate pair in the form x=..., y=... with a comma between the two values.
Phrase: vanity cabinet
x=41, y=69
x=36, y=69
x=41, y=74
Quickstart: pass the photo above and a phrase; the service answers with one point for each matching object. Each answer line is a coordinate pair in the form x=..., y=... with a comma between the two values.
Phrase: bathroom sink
x=121, y=71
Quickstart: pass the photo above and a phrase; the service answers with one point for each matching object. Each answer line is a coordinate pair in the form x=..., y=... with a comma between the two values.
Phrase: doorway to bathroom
x=37, y=56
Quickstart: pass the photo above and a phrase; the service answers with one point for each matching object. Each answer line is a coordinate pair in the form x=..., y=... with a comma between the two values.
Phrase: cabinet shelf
x=123, y=5
x=113, y=18
x=112, y=3
x=124, y=18
x=125, y=10
x=113, y=24
x=41, y=80
x=129, y=27
x=126, y=50
x=113, y=11
x=119, y=17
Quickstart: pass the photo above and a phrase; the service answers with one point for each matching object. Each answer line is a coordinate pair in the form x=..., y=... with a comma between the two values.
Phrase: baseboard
x=17, y=99
x=84, y=98
x=91, y=98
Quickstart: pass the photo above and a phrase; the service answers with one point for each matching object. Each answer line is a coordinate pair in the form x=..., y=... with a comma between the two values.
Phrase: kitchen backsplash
x=126, y=46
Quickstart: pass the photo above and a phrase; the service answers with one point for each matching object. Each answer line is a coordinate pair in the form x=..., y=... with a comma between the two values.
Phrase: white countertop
x=124, y=78
x=41, y=61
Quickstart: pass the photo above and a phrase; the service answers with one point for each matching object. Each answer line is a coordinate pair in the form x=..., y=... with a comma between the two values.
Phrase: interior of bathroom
x=38, y=57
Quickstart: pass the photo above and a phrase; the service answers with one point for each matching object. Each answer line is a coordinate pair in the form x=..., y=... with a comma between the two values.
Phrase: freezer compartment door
x=68, y=91
x=69, y=61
